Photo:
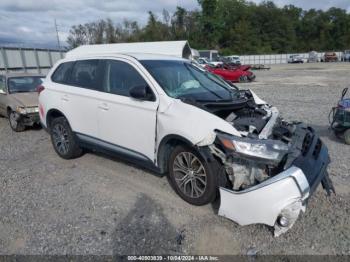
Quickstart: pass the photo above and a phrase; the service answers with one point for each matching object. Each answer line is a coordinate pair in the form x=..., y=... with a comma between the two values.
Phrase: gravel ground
x=99, y=205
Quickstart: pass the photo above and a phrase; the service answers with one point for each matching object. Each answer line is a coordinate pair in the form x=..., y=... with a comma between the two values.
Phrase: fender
x=53, y=113
x=172, y=139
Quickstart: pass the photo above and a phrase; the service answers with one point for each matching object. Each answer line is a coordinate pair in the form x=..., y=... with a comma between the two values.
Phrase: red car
x=232, y=73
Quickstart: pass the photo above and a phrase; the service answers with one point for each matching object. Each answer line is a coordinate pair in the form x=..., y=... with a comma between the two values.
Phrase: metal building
x=33, y=60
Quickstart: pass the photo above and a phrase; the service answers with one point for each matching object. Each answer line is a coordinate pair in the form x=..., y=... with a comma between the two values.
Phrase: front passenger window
x=121, y=77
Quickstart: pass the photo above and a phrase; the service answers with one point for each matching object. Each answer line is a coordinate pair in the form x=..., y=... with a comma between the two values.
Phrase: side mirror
x=141, y=92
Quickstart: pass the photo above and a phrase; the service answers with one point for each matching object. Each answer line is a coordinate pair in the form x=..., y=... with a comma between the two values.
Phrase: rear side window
x=85, y=74
x=62, y=73
x=120, y=77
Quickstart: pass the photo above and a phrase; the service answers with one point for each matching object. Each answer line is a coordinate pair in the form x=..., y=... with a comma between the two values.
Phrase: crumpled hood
x=29, y=99
x=190, y=122
x=257, y=99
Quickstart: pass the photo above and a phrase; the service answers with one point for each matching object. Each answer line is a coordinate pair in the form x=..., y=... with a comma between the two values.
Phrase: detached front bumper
x=284, y=195
x=265, y=202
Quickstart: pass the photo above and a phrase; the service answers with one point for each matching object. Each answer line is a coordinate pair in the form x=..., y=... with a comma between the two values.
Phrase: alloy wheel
x=60, y=138
x=189, y=174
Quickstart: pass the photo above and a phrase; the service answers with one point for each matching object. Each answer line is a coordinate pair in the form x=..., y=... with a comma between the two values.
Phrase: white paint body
x=100, y=115
x=140, y=126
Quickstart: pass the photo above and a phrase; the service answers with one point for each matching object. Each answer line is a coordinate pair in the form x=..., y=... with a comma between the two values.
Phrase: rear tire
x=191, y=177
x=15, y=122
x=63, y=139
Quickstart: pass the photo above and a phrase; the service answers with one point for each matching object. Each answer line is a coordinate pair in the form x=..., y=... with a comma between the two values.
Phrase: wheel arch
x=164, y=149
x=52, y=114
x=170, y=141
x=9, y=108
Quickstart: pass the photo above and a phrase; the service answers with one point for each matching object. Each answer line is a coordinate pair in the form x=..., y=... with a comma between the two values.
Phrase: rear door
x=129, y=125
x=79, y=96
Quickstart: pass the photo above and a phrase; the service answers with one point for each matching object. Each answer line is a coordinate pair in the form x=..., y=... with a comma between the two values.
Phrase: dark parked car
x=330, y=57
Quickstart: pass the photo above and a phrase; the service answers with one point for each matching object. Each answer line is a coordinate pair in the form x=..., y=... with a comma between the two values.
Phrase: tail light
x=40, y=88
x=41, y=111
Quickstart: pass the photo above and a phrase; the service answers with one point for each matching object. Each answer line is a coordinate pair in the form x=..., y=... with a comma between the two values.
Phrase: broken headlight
x=21, y=110
x=27, y=110
x=271, y=150
x=31, y=110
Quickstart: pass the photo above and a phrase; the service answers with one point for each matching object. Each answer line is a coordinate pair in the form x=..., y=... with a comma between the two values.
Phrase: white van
x=233, y=59
x=163, y=112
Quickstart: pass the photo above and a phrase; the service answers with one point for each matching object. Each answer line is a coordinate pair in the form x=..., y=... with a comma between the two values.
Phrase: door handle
x=103, y=106
x=65, y=98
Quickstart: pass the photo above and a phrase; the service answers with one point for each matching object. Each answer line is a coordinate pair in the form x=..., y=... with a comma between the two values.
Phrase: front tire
x=191, y=177
x=243, y=79
x=15, y=122
x=63, y=139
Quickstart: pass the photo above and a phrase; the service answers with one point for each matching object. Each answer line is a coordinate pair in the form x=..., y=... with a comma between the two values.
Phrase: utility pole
x=58, y=38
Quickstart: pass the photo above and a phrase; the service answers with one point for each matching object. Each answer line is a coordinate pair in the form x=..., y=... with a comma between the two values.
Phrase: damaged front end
x=271, y=169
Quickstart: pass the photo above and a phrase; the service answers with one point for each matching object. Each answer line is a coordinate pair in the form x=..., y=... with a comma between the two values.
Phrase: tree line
x=231, y=26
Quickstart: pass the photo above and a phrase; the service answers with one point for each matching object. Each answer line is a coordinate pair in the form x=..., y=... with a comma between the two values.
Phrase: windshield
x=23, y=84
x=180, y=79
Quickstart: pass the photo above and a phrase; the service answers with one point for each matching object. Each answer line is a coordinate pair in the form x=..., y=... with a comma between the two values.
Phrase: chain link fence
x=277, y=58
x=13, y=59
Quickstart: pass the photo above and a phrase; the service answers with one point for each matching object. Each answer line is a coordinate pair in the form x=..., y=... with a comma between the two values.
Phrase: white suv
x=212, y=140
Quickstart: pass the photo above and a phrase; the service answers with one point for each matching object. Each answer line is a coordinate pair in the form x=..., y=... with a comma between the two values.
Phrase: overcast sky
x=31, y=22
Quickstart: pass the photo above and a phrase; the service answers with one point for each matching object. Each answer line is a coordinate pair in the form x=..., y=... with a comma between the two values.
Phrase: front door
x=124, y=122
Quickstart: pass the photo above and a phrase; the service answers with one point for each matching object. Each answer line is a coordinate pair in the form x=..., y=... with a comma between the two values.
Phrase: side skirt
x=113, y=150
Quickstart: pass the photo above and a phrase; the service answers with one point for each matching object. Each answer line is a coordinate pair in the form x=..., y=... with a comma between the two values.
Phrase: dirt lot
x=99, y=205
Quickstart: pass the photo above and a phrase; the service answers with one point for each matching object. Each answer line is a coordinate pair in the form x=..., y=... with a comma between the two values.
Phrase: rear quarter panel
x=49, y=99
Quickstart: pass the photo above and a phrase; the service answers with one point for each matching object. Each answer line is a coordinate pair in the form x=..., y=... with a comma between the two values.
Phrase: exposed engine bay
x=262, y=129
x=253, y=121
x=271, y=168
